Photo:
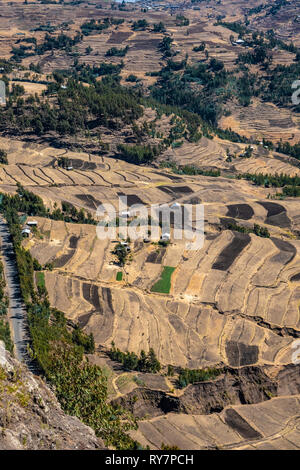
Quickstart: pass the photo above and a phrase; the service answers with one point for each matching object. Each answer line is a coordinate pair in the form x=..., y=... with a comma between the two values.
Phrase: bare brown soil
x=232, y=303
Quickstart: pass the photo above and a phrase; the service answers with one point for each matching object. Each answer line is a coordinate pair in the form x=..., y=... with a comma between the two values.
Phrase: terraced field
x=242, y=286
x=233, y=303
x=272, y=425
x=213, y=154
x=264, y=119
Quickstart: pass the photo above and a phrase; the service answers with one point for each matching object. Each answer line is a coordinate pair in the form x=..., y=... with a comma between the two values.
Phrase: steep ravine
x=245, y=385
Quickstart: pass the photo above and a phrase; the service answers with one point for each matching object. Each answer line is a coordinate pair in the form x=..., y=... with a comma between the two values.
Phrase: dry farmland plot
x=213, y=154
x=181, y=333
x=267, y=426
x=201, y=281
x=232, y=303
x=238, y=283
x=264, y=120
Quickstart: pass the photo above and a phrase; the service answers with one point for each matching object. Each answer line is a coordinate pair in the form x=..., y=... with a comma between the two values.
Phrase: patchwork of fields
x=240, y=292
x=220, y=321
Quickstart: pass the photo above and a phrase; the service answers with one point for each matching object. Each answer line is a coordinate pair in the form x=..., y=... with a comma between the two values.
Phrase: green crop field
x=119, y=276
x=40, y=279
x=163, y=285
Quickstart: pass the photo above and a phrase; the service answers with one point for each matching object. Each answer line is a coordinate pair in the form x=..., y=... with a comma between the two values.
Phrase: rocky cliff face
x=245, y=385
x=31, y=417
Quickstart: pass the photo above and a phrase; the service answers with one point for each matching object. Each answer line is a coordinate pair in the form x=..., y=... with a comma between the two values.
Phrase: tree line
x=73, y=109
x=145, y=362
x=5, y=335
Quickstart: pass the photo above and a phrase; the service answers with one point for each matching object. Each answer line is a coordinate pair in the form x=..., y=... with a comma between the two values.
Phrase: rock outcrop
x=31, y=417
x=245, y=385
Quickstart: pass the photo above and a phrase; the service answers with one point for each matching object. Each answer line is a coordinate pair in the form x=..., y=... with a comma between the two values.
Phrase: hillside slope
x=31, y=417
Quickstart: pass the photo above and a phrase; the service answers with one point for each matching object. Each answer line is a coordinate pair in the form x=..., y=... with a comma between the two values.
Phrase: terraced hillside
x=272, y=425
x=163, y=108
x=234, y=302
x=242, y=284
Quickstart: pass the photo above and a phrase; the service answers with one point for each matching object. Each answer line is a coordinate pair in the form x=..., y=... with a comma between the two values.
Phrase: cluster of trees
x=256, y=10
x=114, y=51
x=177, y=131
x=189, y=170
x=257, y=56
x=290, y=184
x=46, y=27
x=6, y=66
x=19, y=53
x=271, y=41
x=80, y=387
x=121, y=253
x=63, y=162
x=140, y=25
x=212, y=85
x=93, y=26
x=4, y=302
x=3, y=157
x=50, y=43
x=247, y=86
x=192, y=120
x=29, y=203
x=5, y=335
x=191, y=376
x=25, y=201
x=229, y=134
x=200, y=48
x=266, y=39
x=138, y=154
x=269, y=180
x=182, y=20
x=74, y=109
x=165, y=46
x=288, y=149
x=257, y=229
x=291, y=191
x=159, y=27
x=69, y=213
x=81, y=72
x=201, y=90
x=81, y=339
x=235, y=26
x=173, y=88
x=131, y=361
x=273, y=9
x=62, y=41
x=275, y=86
x=248, y=152
x=108, y=69
x=132, y=78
